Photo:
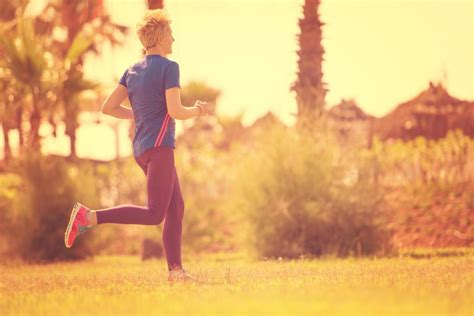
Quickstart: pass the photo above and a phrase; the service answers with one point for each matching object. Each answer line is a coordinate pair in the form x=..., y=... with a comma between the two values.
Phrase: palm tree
x=70, y=91
x=87, y=26
x=13, y=106
x=25, y=56
x=309, y=87
x=86, y=18
x=48, y=83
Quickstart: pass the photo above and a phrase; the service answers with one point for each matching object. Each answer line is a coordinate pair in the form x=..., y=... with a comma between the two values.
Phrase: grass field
x=126, y=285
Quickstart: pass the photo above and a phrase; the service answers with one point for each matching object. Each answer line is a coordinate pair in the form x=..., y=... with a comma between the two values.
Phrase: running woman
x=153, y=87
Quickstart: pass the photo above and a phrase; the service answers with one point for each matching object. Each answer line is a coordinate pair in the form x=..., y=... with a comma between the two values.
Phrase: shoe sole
x=75, y=209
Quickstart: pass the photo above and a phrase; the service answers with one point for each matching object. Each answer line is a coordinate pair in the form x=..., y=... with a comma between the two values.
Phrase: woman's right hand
x=203, y=106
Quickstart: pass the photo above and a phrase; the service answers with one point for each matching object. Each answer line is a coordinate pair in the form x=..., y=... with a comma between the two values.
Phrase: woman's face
x=167, y=40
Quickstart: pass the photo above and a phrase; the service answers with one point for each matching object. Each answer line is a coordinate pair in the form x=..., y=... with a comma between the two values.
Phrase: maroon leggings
x=165, y=202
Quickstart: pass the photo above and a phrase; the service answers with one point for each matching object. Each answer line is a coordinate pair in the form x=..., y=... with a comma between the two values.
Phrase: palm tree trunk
x=6, y=141
x=34, y=141
x=71, y=122
x=21, y=133
x=154, y=4
x=35, y=121
x=309, y=86
x=71, y=132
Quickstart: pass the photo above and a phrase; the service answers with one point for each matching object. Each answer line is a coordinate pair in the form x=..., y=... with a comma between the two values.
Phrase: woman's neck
x=156, y=50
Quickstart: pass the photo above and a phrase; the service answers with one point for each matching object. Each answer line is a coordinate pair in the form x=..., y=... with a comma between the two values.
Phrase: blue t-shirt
x=146, y=82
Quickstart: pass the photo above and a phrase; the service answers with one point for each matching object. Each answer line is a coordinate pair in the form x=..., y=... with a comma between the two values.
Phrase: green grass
x=126, y=285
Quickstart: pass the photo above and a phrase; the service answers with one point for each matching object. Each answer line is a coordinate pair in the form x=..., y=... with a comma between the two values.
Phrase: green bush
x=208, y=225
x=421, y=161
x=303, y=195
x=121, y=182
x=10, y=184
x=41, y=208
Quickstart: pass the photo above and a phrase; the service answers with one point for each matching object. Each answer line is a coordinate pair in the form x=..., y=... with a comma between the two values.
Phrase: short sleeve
x=172, y=75
x=123, y=80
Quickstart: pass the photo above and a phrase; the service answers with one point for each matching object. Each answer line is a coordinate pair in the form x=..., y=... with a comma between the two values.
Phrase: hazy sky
x=379, y=52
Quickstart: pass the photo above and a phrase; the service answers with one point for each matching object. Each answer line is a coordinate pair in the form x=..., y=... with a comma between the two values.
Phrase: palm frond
x=80, y=45
x=23, y=51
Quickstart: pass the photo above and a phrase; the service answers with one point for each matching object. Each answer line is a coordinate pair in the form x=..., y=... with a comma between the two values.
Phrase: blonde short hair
x=152, y=26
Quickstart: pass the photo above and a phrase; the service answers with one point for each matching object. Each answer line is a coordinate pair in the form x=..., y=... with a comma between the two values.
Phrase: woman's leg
x=172, y=229
x=160, y=179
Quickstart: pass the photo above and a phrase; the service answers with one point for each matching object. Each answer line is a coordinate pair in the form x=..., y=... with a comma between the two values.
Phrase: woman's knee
x=157, y=214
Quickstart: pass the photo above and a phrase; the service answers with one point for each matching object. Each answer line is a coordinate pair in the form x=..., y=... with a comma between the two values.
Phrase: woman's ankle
x=91, y=218
x=177, y=267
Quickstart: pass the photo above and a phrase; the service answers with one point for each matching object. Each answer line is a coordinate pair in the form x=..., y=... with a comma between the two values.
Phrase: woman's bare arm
x=176, y=110
x=113, y=104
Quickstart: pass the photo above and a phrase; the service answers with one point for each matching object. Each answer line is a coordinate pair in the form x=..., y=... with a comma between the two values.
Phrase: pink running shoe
x=77, y=224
